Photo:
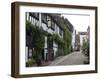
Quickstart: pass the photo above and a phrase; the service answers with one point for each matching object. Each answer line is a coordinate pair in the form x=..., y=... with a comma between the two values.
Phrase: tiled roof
x=62, y=22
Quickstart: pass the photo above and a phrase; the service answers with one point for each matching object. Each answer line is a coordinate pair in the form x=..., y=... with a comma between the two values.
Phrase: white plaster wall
x=50, y=31
x=55, y=48
x=44, y=26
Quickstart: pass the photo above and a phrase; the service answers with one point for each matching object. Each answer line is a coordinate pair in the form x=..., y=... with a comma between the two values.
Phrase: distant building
x=83, y=38
x=77, y=42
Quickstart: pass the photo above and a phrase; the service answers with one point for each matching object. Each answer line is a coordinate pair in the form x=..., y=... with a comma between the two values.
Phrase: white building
x=48, y=24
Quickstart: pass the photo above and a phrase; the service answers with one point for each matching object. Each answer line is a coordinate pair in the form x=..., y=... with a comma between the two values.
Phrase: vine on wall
x=67, y=40
x=35, y=38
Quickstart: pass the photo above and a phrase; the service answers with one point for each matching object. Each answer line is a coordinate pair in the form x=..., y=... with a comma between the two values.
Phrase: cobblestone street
x=75, y=58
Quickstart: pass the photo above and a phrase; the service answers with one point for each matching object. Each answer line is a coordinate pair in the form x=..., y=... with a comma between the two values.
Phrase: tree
x=85, y=48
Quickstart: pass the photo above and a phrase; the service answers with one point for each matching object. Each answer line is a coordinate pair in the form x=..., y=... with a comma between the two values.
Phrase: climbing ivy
x=35, y=37
x=67, y=41
x=57, y=39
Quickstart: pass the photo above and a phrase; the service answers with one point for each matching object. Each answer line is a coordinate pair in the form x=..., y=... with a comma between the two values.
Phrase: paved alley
x=75, y=58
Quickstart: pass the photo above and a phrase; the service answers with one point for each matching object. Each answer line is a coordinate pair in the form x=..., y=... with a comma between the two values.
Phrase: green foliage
x=29, y=34
x=58, y=40
x=30, y=62
x=64, y=44
x=85, y=48
x=36, y=38
x=67, y=41
x=39, y=39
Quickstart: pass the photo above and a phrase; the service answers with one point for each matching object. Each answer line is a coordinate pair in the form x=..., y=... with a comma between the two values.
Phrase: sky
x=80, y=22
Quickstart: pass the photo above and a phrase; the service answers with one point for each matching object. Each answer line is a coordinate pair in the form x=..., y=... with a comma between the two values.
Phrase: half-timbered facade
x=49, y=24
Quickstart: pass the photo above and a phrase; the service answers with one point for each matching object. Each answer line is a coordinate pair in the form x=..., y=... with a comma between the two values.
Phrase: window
x=48, y=21
x=29, y=53
x=56, y=29
x=44, y=18
x=34, y=21
x=52, y=25
x=60, y=32
x=36, y=15
x=30, y=18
